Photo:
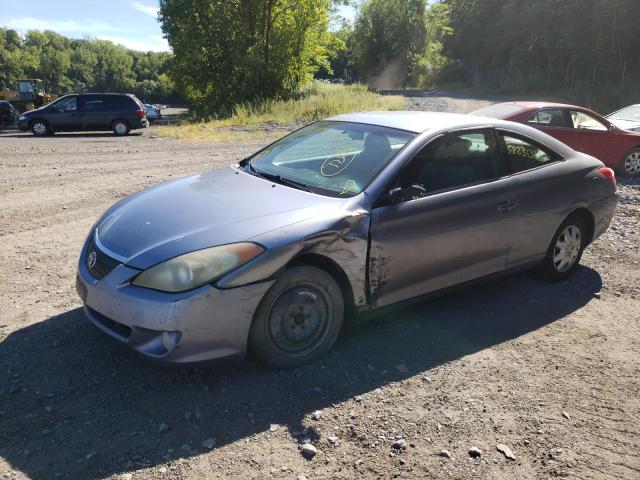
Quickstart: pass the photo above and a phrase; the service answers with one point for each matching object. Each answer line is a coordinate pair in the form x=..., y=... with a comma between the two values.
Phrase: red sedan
x=581, y=129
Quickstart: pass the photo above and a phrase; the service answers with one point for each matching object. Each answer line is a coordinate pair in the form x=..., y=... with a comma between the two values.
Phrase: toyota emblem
x=91, y=259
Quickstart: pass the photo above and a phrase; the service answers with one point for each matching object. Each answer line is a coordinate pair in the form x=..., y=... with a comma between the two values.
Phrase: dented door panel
x=428, y=244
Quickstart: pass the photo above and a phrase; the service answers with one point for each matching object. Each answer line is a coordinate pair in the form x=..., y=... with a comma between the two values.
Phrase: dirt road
x=551, y=371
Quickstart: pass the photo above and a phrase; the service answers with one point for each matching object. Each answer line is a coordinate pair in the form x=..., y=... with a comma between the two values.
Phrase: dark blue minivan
x=118, y=112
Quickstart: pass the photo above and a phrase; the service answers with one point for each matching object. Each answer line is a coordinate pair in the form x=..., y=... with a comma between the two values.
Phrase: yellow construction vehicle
x=30, y=94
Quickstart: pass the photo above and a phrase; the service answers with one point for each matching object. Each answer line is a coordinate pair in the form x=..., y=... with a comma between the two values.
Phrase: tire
x=629, y=166
x=565, y=250
x=40, y=128
x=120, y=128
x=298, y=320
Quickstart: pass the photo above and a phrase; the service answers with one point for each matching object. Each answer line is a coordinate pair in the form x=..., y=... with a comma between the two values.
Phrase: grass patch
x=270, y=119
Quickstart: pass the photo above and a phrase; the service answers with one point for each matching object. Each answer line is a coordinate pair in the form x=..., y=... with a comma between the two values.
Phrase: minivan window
x=67, y=104
x=118, y=102
x=93, y=103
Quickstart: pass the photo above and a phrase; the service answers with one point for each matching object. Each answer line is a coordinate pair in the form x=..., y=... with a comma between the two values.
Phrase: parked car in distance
x=342, y=217
x=8, y=115
x=118, y=112
x=152, y=112
x=581, y=129
x=627, y=118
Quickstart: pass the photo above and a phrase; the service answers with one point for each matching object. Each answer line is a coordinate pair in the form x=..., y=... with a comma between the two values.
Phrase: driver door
x=64, y=115
x=459, y=230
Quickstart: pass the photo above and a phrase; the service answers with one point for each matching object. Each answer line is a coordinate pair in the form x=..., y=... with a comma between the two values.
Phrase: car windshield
x=631, y=114
x=332, y=158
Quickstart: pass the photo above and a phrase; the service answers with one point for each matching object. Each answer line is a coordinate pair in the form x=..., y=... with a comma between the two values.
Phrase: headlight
x=192, y=270
x=22, y=117
x=637, y=129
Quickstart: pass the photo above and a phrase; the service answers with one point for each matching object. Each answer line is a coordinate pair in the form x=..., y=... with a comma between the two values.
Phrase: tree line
x=229, y=52
x=69, y=65
x=587, y=49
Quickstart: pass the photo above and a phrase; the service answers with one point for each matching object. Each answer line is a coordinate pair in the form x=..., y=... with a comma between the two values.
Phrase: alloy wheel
x=632, y=163
x=39, y=128
x=567, y=248
x=120, y=128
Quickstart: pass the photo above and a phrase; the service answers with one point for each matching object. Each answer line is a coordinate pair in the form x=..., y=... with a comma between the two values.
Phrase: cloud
x=158, y=44
x=152, y=11
x=88, y=26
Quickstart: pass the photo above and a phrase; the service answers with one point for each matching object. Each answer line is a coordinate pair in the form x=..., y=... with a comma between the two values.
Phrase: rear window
x=499, y=110
x=119, y=102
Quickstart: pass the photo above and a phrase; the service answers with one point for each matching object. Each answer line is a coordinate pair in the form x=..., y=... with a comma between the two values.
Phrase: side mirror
x=399, y=195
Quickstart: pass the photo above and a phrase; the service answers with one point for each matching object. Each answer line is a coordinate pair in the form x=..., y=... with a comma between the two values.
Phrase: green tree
x=227, y=52
x=389, y=41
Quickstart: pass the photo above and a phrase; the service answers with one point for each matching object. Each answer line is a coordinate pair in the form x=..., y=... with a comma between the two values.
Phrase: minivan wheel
x=565, y=251
x=298, y=320
x=40, y=128
x=120, y=127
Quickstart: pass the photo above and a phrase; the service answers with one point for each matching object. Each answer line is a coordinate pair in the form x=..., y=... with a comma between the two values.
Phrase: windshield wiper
x=274, y=177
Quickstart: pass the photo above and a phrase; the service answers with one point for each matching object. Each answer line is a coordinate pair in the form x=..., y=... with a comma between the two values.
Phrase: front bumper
x=23, y=124
x=204, y=324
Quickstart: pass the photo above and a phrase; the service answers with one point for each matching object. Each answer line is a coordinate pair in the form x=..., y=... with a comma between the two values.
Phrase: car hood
x=214, y=208
x=625, y=124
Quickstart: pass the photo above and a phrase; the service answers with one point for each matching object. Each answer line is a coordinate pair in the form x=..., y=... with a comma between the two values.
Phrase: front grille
x=102, y=264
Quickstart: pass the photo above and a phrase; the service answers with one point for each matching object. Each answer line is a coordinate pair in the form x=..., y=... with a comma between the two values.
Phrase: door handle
x=506, y=206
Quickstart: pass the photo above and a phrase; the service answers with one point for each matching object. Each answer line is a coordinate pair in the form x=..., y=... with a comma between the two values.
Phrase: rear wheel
x=40, y=128
x=298, y=320
x=120, y=127
x=565, y=251
x=630, y=164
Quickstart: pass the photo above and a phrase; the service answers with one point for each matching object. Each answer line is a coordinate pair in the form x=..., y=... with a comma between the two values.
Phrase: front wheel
x=40, y=128
x=120, y=127
x=630, y=164
x=298, y=320
x=565, y=251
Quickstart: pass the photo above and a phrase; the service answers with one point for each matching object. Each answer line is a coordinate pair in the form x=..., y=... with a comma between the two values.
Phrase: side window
x=93, y=103
x=526, y=154
x=548, y=118
x=457, y=159
x=583, y=121
x=69, y=104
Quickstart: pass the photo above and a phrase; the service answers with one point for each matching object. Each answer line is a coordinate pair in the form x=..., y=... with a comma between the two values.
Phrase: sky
x=126, y=22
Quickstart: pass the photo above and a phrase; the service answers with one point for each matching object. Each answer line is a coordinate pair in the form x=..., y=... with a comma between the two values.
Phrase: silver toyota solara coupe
x=340, y=218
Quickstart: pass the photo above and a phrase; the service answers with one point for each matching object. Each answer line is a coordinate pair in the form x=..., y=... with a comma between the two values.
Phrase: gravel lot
x=549, y=371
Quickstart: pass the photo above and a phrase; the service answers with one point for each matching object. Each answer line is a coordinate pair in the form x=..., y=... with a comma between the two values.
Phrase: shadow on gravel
x=67, y=135
x=75, y=404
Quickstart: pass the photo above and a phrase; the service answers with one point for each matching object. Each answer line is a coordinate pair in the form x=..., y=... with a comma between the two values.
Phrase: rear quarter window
x=120, y=102
x=525, y=154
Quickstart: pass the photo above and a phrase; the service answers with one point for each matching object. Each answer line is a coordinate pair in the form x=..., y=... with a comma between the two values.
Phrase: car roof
x=416, y=122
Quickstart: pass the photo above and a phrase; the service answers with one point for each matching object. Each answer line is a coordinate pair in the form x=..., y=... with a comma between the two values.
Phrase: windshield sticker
x=351, y=184
x=336, y=165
